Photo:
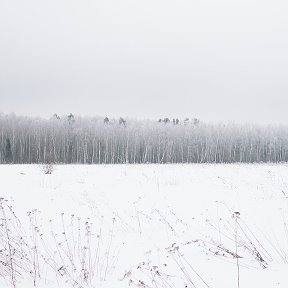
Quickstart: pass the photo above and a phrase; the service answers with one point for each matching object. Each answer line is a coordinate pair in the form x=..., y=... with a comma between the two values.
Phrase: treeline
x=71, y=139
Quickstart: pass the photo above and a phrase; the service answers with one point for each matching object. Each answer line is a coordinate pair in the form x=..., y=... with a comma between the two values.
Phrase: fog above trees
x=74, y=139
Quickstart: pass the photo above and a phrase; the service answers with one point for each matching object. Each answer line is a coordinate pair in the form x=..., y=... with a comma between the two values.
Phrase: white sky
x=215, y=60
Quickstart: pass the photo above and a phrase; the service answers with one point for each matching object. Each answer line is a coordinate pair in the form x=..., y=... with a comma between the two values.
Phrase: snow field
x=145, y=225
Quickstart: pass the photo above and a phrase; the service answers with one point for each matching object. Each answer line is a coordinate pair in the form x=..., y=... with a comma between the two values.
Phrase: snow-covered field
x=144, y=226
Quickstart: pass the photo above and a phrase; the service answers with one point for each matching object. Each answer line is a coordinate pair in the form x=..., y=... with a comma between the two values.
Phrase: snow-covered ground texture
x=160, y=226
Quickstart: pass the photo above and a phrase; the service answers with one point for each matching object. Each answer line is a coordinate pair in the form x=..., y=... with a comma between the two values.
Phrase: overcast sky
x=215, y=60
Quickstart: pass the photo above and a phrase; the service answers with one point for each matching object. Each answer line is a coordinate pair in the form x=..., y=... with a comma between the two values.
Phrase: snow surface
x=152, y=225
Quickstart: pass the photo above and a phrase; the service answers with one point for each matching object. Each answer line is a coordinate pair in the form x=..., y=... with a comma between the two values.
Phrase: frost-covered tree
x=90, y=140
x=8, y=157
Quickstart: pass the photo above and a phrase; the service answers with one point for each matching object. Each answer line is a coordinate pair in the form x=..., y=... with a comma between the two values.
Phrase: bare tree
x=8, y=157
x=73, y=139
